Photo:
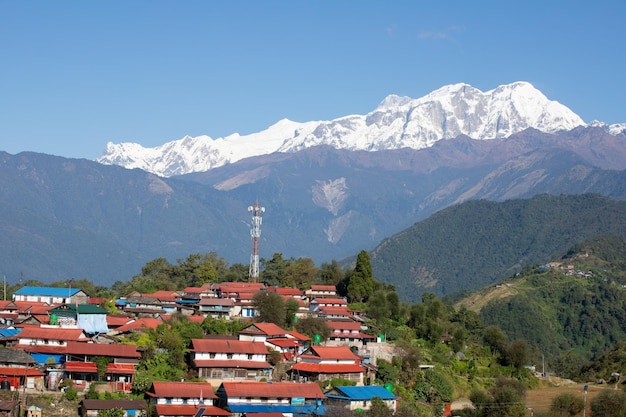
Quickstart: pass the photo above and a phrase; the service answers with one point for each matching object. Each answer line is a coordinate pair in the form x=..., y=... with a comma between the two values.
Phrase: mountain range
x=397, y=123
x=72, y=218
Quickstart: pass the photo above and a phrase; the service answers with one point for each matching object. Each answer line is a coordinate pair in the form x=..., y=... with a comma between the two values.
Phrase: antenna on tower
x=255, y=233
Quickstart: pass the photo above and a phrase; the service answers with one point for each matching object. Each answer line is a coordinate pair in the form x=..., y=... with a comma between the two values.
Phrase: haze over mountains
x=330, y=188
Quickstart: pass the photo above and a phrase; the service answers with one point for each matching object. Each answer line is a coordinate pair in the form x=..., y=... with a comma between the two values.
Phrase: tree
x=361, y=282
x=113, y=412
x=609, y=404
x=379, y=408
x=495, y=338
x=270, y=307
x=566, y=405
x=517, y=354
x=311, y=326
x=273, y=269
x=331, y=273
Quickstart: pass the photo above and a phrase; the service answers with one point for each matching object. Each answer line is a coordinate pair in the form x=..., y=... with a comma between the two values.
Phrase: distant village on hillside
x=54, y=335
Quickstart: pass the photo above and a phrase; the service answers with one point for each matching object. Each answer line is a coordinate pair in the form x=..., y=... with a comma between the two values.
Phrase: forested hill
x=471, y=245
x=570, y=310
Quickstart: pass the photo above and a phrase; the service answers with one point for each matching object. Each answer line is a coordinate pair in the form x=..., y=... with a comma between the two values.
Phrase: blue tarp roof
x=365, y=392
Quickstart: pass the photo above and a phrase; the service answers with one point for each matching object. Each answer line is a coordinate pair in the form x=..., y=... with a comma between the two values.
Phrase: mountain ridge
x=397, y=122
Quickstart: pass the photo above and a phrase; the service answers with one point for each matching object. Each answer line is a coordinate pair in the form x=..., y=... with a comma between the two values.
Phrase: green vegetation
x=477, y=243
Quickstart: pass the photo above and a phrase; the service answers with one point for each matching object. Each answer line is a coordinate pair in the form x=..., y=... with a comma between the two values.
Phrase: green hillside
x=471, y=245
x=570, y=310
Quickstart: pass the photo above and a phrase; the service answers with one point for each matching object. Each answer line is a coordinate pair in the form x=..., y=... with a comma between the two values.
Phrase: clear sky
x=77, y=74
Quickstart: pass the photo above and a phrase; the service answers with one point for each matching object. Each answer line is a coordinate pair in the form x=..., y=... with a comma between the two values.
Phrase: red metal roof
x=327, y=368
x=225, y=363
x=167, y=410
x=329, y=301
x=267, y=329
x=299, y=336
x=142, y=323
x=164, y=295
x=117, y=320
x=284, y=343
x=15, y=371
x=181, y=390
x=120, y=368
x=88, y=367
x=272, y=389
x=51, y=333
x=228, y=346
x=323, y=288
x=343, y=325
x=333, y=352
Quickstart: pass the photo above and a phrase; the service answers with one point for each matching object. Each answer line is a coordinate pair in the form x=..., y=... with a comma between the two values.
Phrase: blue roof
x=9, y=332
x=48, y=291
x=365, y=392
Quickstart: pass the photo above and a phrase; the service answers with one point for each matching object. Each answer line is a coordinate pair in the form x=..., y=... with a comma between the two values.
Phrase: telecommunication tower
x=255, y=233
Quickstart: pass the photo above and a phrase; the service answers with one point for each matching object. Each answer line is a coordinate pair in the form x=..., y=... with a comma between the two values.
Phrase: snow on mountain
x=397, y=122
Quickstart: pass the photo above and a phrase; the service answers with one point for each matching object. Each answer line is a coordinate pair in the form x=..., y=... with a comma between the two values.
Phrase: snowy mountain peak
x=397, y=122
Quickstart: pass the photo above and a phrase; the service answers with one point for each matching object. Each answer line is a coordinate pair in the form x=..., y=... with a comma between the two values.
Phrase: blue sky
x=77, y=74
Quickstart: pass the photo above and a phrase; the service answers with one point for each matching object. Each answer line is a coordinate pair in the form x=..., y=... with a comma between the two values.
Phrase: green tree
x=567, y=405
x=311, y=326
x=361, y=283
x=270, y=307
x=331, y=273
x=609, y=404
x=379, y=408
x=273, y=270
x=112, y=412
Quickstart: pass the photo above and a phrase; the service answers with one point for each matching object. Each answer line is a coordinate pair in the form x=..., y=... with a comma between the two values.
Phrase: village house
x=91, y=318
x=288, y=398
x=182, y=399
x=359, y=397
x=347, y=333
x=216, y=307
x=131, y=408
x=9, y=408
x=323, y=363
x=17, y=369
x=321, y=291
x=217, y=360
x=79, y=364
x=51, y=295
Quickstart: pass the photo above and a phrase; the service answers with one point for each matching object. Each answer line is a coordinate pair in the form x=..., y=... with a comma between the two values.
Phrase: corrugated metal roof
x=272, y=389
x=48, y=291
x=365, y=392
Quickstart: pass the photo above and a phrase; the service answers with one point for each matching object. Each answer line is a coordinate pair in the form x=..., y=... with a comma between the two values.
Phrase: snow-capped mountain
x=398, y=122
